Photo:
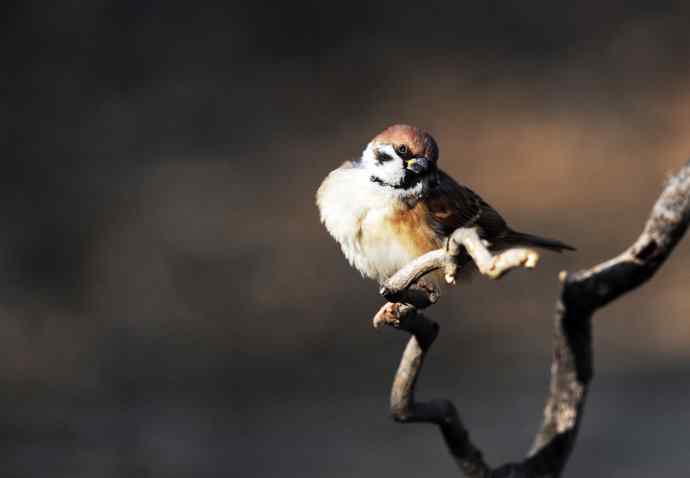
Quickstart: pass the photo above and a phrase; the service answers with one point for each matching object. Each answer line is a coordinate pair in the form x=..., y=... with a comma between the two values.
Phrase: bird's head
x=401, y=157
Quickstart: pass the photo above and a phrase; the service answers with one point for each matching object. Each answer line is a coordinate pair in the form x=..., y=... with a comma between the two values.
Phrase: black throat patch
x=409, y=181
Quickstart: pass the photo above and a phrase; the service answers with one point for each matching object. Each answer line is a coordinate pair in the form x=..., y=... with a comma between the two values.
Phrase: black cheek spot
x=381, y=157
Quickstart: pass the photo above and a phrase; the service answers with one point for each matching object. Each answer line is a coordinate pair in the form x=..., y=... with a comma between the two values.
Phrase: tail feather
x=523, y=239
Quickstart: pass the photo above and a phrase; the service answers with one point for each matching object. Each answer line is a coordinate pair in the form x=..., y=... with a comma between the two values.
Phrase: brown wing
x=452, y=206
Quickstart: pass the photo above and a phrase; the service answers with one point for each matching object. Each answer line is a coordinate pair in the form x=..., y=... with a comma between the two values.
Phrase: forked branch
x=571, y=369
x=403, y=286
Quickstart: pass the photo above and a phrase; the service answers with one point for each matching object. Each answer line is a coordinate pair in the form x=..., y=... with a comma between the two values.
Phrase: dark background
x=171, y=306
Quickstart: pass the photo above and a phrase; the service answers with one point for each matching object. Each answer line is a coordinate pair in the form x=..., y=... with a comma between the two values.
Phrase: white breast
x=357, y=214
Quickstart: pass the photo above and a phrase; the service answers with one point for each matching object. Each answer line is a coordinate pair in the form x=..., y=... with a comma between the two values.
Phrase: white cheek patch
x=391, y=172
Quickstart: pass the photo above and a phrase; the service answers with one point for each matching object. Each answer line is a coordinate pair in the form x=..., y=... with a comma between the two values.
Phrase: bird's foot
x=450, y=273
x=388, y=314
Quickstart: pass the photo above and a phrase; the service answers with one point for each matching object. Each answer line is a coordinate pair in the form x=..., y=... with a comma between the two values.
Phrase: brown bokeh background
x=171, y=305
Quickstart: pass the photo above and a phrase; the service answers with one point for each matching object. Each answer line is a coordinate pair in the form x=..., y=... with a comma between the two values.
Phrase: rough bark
x=583, y=293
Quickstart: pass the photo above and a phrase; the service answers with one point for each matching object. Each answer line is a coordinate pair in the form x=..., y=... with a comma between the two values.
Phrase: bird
x=393, y=204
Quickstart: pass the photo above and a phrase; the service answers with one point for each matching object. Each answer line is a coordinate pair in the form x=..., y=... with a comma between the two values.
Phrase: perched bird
x=393, y=204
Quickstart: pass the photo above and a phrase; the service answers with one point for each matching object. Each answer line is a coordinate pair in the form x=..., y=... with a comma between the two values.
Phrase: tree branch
x=402, y=286
x=405, y=409
x=571, y=369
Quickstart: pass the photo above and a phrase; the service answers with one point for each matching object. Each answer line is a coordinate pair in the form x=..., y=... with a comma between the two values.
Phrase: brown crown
x=419, y=143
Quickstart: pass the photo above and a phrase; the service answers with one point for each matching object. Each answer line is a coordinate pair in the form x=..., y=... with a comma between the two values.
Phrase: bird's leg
x=451, y=266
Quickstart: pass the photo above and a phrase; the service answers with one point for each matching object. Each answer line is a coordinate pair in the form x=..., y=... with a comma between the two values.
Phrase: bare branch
x=583, y=293
x=405, y=409
x=401, y=286
x=571, y=369
x=493, y=266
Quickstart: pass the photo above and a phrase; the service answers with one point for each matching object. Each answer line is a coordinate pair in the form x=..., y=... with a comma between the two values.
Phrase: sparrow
x=393, y=204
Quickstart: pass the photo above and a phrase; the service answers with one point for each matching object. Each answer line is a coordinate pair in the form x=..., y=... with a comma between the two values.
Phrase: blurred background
x=171, y=306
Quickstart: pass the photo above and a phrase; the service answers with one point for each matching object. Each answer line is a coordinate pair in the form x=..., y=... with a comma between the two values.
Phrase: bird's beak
x=418, y=165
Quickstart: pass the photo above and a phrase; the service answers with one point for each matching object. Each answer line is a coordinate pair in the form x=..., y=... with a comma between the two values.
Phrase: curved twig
x=401, y=286
x=405, y=409
x=583, y=293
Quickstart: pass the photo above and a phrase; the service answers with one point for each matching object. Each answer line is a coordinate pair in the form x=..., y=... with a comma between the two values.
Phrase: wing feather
x=452, y=205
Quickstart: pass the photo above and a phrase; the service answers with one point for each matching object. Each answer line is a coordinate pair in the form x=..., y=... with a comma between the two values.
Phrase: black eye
x=381, y=157
x=402, y=150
